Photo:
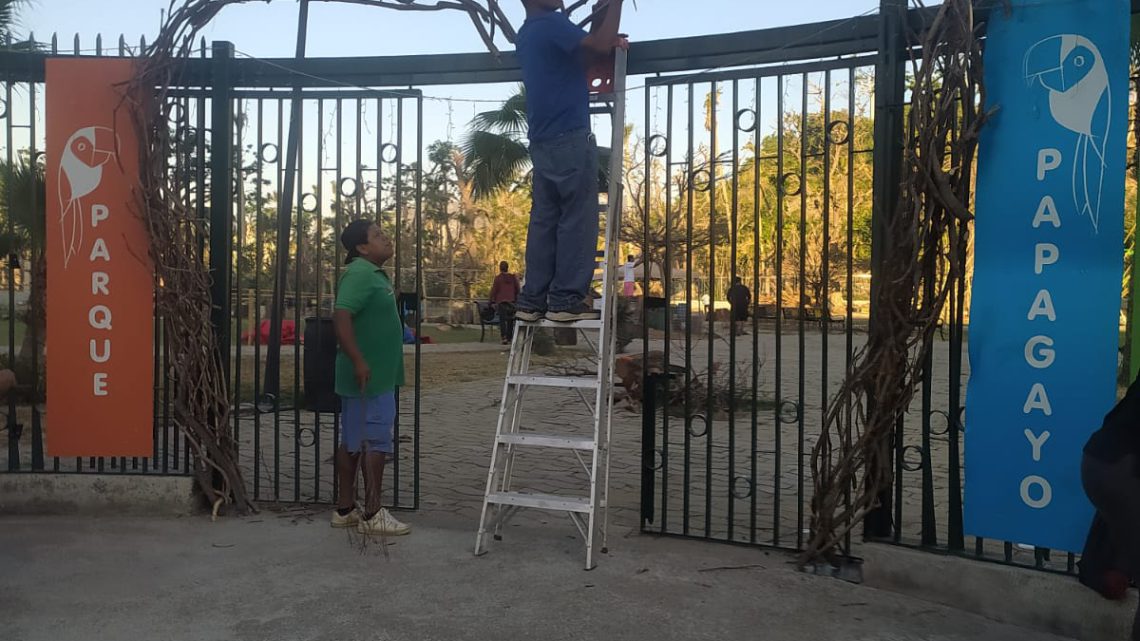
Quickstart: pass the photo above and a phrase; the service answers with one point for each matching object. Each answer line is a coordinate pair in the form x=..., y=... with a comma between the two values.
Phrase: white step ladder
x=501, y=500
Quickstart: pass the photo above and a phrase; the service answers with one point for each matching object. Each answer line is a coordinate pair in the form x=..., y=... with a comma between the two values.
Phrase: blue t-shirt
x=557, y=92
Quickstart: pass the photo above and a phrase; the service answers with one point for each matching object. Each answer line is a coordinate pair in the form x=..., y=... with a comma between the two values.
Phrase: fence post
x=221, y=198
x=890, y=75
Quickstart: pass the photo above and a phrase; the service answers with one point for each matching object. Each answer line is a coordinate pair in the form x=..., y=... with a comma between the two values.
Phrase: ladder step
x=586, y=324
x=545, y=440
x=541, y=501
x=554, y=381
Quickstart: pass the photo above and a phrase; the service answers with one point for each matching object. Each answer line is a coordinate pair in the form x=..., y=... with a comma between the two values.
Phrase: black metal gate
x=360, y=155
x=761, y=175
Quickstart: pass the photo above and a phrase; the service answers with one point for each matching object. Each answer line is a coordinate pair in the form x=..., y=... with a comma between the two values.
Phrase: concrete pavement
x=287, y=575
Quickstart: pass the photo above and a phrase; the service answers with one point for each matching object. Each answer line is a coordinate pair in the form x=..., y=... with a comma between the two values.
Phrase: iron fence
x=759, y=161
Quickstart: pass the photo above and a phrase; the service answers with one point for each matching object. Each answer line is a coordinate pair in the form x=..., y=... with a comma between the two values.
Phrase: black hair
x=354, y=235
x=503, y=266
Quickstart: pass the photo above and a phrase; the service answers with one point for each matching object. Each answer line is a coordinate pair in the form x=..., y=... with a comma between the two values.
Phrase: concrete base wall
x=96, y=494
x=1027, y=598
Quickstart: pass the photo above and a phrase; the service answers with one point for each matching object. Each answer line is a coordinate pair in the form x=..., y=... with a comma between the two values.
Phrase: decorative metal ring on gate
x=698, y=183
x=263, y=154
x=794, y=415
x=689, y=425
x=309, y=203
x=956, y=422
x=831, y=137
x=910, y=465
x=301, y=437
x=736, y=491
x=740, y=115
x=266, y=404
x=784, y=184
x=3, y=108
x=176, y=107
x=348, y=193
x=389, y=153
x=659, y=460
x=658, y=145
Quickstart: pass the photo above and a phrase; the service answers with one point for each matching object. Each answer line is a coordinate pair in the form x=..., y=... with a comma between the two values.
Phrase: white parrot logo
x=1071, y=68
x=80, y=172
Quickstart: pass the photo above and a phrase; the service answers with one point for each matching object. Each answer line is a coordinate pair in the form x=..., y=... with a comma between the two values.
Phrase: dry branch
x=925, y=247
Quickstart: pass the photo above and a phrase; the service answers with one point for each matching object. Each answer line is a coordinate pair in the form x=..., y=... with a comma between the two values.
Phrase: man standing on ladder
x=563, y=234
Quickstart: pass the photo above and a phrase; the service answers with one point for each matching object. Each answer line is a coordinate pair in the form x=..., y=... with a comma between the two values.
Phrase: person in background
x=369, y=367
x=562, y=237
x=504, y=294
x=740, y=297
x=1110, y=474
x=627, y=272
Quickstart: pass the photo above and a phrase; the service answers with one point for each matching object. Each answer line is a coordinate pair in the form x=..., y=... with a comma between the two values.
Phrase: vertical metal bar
x=32, y=329
x=649, y=408
x=319, y=263
x=667, y=274
x=779, y=392
x=271, y=387
x=825, y=252
x=259, y=261
x=711, y=313
x=756, y=258
x=849, y=330
x=801, y=412
x=419, y=298
x=298, y=292
x=732, y=320
x=889, y=97
x=237, y=257
x=221, y=200
x=688, y=314
x=399, y=284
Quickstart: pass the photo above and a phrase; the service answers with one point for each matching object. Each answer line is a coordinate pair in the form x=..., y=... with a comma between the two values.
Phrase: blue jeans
x=562, y=238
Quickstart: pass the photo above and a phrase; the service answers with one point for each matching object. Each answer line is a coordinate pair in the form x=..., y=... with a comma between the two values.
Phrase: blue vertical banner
x=1048, y=262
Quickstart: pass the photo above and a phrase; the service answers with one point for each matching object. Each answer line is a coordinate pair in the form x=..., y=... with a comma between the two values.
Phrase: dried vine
x=201, y=405
x=926, y=249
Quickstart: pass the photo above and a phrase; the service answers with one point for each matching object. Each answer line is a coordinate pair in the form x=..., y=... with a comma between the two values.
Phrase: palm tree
x=496, y=148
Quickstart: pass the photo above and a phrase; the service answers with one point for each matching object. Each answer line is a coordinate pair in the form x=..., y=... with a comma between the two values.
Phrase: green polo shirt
x=366, y=292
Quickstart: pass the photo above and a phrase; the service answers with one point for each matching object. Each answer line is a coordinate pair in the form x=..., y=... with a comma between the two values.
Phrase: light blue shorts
x=367, y=423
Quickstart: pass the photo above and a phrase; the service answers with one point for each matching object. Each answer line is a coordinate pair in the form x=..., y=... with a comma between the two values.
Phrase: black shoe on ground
x=580, y=312
x=528, y=315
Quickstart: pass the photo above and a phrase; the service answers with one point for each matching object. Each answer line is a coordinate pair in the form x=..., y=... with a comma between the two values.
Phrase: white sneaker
x=383, y=523
x=349, y=520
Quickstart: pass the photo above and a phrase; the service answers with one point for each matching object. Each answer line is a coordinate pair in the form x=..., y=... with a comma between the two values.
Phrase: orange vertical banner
x=100, y=295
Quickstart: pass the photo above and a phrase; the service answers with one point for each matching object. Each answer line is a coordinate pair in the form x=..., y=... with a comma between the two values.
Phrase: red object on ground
x=288, y=334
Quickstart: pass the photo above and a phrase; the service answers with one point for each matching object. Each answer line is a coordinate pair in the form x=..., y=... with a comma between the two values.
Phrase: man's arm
x=601, y=42
x=346, y=338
